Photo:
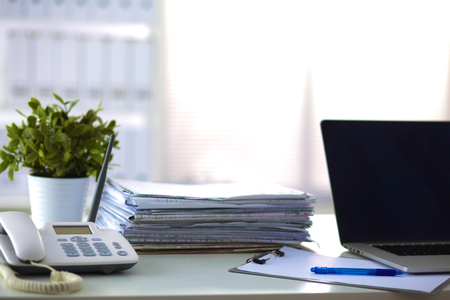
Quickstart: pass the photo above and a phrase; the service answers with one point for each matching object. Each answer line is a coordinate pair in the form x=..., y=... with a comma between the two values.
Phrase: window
x=247, y=82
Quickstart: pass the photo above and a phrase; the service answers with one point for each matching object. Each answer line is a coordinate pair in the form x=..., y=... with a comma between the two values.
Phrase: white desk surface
x=206, y=276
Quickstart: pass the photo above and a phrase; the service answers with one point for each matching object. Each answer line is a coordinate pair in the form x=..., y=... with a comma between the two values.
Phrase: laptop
x=390, y=182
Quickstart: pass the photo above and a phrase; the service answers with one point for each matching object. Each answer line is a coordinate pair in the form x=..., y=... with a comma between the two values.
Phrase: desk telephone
x=70, y=246
x=62, y=247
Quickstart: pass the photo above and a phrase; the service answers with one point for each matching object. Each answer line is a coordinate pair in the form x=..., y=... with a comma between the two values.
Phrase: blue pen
x=354, y=271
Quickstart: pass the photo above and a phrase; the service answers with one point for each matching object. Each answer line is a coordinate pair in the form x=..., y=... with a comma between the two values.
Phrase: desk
x=206, y=276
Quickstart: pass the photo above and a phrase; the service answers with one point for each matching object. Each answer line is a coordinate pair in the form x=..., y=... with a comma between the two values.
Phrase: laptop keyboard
x=416, y=249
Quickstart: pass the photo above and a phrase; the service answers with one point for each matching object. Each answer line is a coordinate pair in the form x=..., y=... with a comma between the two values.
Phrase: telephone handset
x=18, y=232
x=66, y=246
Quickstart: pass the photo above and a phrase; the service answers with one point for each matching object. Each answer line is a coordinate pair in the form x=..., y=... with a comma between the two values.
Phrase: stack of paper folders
x=160, y=216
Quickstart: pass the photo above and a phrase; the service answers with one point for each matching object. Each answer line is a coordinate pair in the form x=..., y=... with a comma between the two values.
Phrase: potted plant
x=62, y=152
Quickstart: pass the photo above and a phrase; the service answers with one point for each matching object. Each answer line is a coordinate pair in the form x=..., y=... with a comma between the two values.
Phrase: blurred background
x=219, y=91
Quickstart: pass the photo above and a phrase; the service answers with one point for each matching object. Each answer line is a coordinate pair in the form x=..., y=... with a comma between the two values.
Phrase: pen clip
x=257, y=258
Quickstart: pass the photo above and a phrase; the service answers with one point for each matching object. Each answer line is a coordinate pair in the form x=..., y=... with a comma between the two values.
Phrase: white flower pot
x=57, y=199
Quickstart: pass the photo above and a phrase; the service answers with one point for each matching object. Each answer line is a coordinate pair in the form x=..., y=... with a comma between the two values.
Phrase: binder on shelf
x=119, y=74
x=58, y=9
x=143, y=80
x=44, y=54
x=145, y=10
x=70, y=65
x=93, y=64
x=18, y=66
x=11, y=8
x=79, y=9
x=35, y=9
x=103, y=10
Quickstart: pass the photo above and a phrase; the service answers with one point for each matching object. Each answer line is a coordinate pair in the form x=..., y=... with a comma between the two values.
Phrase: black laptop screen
x=390, y=180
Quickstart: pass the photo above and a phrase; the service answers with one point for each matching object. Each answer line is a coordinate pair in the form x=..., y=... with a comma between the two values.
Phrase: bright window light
x=249, y=81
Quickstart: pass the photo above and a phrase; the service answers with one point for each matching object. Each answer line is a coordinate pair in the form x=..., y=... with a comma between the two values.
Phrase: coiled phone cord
x=62, y=282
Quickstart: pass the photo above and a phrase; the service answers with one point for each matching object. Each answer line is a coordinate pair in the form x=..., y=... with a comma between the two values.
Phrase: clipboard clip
x=257, y=258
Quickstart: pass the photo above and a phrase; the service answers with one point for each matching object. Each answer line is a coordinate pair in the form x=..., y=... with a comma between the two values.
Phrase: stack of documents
x=191, y=216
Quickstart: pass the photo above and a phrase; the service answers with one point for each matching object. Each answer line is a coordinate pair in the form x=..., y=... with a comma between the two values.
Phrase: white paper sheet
x=236, y=191
x=297, y=264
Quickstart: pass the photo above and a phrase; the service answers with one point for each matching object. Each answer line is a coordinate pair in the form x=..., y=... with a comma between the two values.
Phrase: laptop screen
x=390, y=180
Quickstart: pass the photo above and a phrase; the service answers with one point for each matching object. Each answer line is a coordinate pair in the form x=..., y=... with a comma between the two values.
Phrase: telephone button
x=105, y=253
x=99, y=244
x=101, y=247
x=117, y=245
x=84, y=246
x=70, y=249
x=79, y=239
x=122, y=253
x=62, y=240
x=96, y=239
x=73, y=254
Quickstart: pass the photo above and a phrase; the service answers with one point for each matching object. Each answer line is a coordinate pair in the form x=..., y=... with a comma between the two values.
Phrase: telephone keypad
x=70, y=249
x=102, y=249
x=80, y=243
x=86, y=249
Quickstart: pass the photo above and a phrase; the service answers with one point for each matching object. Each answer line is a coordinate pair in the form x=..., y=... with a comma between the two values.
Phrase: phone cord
x=62, y=282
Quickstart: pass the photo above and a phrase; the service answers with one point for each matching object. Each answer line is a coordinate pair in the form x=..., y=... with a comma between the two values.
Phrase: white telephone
x=70, y=246
x=66, y=246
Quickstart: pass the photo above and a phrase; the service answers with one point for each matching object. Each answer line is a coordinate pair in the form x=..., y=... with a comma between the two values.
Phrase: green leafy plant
x=53, y=144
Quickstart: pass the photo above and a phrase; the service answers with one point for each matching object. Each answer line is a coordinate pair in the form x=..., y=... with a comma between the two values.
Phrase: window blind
x=247, y=82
